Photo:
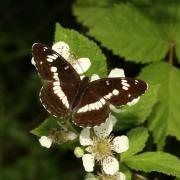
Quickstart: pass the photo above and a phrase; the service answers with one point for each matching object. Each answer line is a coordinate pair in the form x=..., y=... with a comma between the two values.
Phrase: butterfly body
x=79, y=94
x=64, y=93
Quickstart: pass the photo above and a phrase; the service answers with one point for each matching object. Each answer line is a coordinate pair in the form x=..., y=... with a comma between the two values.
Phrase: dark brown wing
x=118, y=91
x=61, y=81
x=54, y=104
x=93, y=108
x=91, y=111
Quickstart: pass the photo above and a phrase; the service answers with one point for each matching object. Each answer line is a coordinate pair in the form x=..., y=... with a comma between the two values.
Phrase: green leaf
x=45, y=127
x=155, y=161
x=140, y=32
x=139, y=112
x=137, y=140
x=126, y=171
x=164, y=120
x=81, y=46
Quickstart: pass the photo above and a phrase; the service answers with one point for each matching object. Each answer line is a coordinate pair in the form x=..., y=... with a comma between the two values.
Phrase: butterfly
x=64, y=93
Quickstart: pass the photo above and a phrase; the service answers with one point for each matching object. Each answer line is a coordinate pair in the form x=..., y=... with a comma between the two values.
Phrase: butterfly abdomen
x=80, y=93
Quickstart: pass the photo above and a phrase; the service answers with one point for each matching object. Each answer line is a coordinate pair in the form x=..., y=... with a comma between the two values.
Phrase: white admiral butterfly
x=65, y=94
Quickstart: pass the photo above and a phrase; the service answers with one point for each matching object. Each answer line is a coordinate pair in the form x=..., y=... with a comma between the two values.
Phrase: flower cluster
x=100, y=146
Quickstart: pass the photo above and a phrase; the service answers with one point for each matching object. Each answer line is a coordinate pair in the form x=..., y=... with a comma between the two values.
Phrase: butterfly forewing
x=60, y=79
x=52, y=66
x=118, y=91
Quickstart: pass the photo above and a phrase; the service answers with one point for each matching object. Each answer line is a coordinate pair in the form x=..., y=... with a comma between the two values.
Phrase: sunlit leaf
x=140, y=32
x=164, y=120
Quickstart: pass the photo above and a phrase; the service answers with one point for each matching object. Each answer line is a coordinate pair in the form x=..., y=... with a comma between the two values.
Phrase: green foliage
x=126, y=171
x=155, y=161
x=139, y=112
x=148, y=161
x=165, y=117
x=140, y=32
x=45, y=127
x=81, y=46
x=137, y=141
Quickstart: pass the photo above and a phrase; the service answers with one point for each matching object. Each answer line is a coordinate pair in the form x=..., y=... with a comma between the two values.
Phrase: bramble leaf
x=138, y=113
x=81, y=46
x=137, y=141
x=155, y=161
x=45, y=127
x=140, y=32
x=164, y=120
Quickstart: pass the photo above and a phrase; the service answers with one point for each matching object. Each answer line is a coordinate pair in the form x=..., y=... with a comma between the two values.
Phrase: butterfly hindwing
x=91, y=111
x=52, y=102
x=94, y=104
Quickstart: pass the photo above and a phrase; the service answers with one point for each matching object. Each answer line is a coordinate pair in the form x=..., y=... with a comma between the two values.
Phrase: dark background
x=23, y=23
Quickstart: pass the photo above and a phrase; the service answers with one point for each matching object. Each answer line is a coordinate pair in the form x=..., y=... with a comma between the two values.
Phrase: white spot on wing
x=49, y=60
x=66, y=67
x=125, y=84
x=56, y=83
x=53, y=69
x=125, y=88
x=136, y=82
x=115, y=92
x=107, y=82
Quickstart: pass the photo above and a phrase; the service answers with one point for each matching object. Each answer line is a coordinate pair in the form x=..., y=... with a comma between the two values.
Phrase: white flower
x=116, y=72
x=81, y=65
x=120, y=176
x=71, y=136
x=117, y=176
x=102, y=146
x=45, y=141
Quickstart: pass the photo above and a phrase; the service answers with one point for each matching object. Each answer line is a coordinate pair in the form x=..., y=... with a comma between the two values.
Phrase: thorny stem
x=171, y=53
x=70, y=127
x=139, y=177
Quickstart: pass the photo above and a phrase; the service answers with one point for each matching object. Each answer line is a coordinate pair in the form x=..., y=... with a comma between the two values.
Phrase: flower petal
x=45, y=141
x=110, y=165
x=33, y=62
x=71, y=136
x=120, y=176
x=120, y=144
x=62, y=48
x=114, y=109
x=84, y=137
x=104, y=129
x=82, y=65
x=116, y=72
x=94, y=77
x=133, y=102
x=88, y=162
x=113, y=119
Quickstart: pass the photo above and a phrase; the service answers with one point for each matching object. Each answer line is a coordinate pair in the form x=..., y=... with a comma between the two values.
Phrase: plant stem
x=171, y=53
x=139, y=177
